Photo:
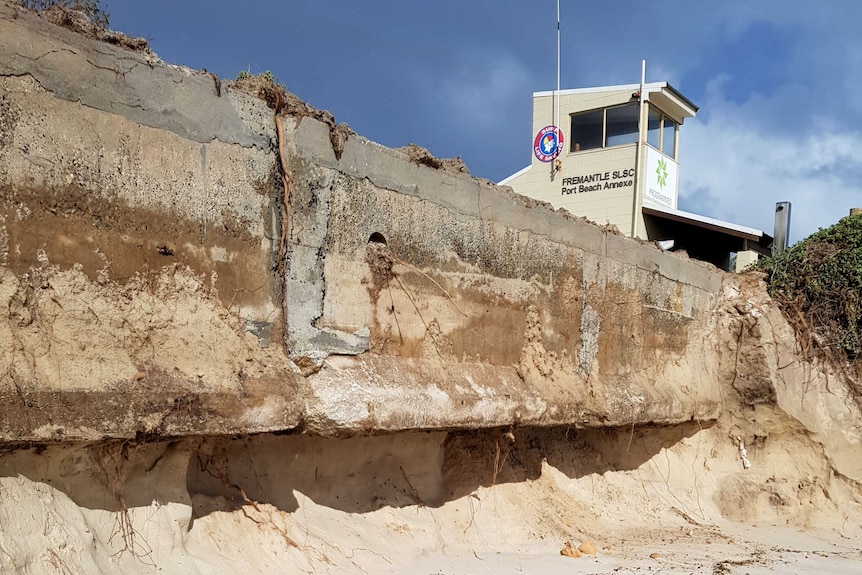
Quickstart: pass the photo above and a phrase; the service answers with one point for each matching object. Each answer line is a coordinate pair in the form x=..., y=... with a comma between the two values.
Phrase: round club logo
x=548, y=143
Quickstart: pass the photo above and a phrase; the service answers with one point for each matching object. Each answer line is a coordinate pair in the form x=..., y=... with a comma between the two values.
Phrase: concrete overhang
x=697, y=220
x=670, y=101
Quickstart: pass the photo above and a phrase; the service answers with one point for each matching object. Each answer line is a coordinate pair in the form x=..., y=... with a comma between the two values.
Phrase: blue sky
x=778, y=83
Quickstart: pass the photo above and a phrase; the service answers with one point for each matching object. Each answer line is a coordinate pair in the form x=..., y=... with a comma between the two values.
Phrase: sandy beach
x=748, y=551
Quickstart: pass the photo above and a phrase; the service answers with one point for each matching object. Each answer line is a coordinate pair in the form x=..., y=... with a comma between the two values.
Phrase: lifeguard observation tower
x=613, y=159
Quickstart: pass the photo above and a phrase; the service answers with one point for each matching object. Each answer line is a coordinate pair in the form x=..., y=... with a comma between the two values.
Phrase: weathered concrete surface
x=409, y=297
x=83, y=360
x=151, y=162
x=139, y=87
x=486, y=308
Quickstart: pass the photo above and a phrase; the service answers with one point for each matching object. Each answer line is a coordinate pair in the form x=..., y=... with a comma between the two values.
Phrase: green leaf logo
x=661, y=172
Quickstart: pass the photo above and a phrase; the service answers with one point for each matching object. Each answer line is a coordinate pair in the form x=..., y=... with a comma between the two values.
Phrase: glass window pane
x=668, y=137
x=587, y=130
x=653, y=128
x=622, y=125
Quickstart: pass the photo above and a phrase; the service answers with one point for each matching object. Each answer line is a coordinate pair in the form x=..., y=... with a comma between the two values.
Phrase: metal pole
x=639, y=150
x=557, y=111
x=557, y=97
x=781, y=232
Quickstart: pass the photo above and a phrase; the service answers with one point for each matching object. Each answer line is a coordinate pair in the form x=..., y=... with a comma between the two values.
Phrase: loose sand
x=651, y=501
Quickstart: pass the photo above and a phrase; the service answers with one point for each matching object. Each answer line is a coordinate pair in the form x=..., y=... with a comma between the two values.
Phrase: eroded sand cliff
x=232, y=345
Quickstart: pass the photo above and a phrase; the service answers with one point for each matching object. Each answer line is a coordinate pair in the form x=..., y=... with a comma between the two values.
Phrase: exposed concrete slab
x=375, y=393
x=137, y=86
x=410, y=297
x=390, y=169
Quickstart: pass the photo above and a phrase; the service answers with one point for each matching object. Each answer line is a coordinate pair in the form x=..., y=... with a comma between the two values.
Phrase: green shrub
x=266, y=76
x=818, y=283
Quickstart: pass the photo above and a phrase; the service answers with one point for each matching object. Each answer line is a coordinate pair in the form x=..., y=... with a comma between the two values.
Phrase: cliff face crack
x=319, y=263
x=46, y=54
x=108, y=68
x=131, y=106
x=118, y=56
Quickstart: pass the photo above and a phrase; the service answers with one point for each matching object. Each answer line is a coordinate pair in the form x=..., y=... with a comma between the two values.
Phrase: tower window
x=604, y=128
x=661, y=132
x=588, y=130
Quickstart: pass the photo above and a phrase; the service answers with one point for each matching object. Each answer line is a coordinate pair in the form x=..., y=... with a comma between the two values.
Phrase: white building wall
x=591, y=183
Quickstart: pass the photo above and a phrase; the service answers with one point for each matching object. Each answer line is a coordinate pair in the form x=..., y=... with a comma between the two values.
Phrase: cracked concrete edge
x=474, y=198
x=355, y=396
x=304, y=281
x=173, y=411
x=108, y=78
x=349, y=396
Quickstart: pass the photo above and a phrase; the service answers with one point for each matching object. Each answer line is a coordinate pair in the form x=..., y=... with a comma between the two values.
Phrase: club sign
x=548, y=143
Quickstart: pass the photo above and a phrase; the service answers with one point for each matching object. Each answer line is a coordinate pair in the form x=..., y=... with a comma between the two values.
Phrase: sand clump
x=422, y=156
x=585, y=548
x=68, y=332
x=85, y=359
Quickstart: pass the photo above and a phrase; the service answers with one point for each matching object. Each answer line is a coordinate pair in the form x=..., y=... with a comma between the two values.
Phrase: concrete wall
x=168, y=170
x=126, y=181
x=485, y=306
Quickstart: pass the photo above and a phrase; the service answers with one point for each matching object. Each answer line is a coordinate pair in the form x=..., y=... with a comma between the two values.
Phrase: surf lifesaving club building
x=614, y=160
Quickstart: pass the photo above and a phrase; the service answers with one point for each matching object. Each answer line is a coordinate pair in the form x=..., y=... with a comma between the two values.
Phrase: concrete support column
x=745, y=259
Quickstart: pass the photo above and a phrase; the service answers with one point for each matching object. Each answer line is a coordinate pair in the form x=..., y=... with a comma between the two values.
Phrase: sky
x=778, y=83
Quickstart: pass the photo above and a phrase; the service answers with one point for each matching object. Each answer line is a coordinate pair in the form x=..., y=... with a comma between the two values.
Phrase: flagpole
x=557, y=112
x=642, y=130
x=557, y=95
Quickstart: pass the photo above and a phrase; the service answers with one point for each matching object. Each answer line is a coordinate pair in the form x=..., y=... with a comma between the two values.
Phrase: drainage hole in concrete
x=377, y=238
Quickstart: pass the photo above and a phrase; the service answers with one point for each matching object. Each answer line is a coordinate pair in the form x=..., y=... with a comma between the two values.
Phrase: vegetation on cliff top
x=818, y=283
x=90, y=8
x=88, y=18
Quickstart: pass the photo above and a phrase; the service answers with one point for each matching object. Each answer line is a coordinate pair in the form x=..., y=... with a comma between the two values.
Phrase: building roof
x=505, y=181
x=665, y=96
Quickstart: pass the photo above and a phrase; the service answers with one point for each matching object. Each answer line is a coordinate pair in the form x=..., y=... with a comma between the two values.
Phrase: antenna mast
x=557, y=93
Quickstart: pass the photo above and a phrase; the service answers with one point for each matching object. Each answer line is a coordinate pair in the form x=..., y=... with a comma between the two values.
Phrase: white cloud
x=795, y=135
x=737, y=171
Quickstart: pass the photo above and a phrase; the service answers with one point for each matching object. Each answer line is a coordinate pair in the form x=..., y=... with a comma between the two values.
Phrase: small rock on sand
x=569, y=550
